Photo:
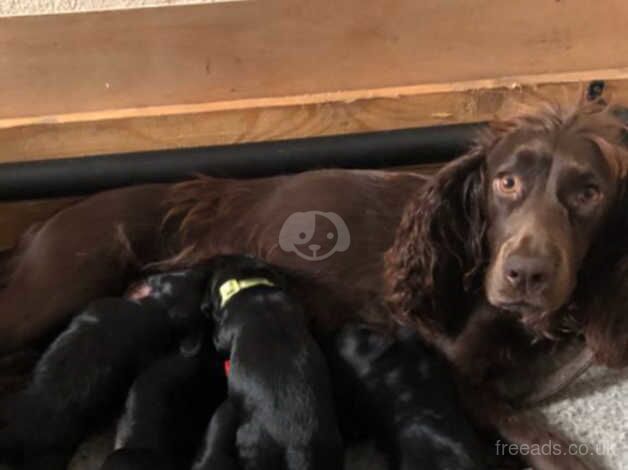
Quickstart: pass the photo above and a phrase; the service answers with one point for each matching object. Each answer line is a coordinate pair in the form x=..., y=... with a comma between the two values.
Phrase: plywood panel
x=224, y=73
x=136, y=133
x=278, y=48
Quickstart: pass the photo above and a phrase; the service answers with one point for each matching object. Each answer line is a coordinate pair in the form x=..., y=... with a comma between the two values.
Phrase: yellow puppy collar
x=231, y=287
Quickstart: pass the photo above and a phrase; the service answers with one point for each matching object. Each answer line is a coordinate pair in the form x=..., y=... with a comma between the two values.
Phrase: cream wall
x=40, y=7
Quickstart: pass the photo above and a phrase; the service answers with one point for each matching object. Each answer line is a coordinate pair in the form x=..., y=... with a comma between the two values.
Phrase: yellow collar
x=231, y=287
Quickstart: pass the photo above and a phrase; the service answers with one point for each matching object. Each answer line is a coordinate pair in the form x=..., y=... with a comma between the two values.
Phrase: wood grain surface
x=212, y=74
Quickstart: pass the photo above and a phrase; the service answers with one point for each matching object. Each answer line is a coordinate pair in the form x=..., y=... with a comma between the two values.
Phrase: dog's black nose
x=529, y=274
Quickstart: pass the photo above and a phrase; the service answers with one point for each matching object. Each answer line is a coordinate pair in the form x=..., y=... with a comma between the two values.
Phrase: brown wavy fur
x=196, y=208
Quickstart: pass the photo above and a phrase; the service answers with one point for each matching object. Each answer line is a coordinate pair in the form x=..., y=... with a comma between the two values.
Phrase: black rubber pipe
x=75, y=176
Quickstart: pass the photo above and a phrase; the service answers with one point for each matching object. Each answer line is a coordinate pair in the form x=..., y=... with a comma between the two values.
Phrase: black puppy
x=280, y=410
x=84, y=375
x=167, y=410
x=401, y=392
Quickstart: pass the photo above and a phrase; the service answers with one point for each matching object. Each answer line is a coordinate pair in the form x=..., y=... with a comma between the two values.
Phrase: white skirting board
x=47, y=7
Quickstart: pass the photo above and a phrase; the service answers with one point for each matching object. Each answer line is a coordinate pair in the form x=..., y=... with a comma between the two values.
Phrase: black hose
x=75, y=176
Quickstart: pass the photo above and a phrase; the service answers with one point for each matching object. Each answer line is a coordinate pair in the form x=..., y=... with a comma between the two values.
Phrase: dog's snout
x=529, y=274
x=314, y=247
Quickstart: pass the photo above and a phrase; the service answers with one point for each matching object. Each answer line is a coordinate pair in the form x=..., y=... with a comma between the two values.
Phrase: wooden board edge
x=294, y=117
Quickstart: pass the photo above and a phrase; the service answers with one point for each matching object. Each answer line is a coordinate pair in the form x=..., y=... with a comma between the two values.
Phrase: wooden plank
x=103, y=136
x=224, y=73
x=276, y=48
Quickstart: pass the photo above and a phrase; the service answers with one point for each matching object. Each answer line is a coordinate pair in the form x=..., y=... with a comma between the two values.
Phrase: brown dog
x=498, y=254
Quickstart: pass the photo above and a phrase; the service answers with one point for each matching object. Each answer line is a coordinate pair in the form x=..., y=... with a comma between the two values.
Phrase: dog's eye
x=588, y=195
x=508, y=185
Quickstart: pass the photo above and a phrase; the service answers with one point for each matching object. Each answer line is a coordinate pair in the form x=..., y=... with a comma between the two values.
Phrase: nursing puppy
x=280, y=410
x=168, y=408
x=84, y=375
x=401, y=393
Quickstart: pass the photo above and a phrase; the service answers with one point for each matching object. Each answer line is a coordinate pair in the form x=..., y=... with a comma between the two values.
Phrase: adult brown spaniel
x=499, y=259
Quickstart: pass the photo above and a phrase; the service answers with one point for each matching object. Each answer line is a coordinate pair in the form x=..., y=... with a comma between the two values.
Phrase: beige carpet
x=594, y=412
x=43, y=7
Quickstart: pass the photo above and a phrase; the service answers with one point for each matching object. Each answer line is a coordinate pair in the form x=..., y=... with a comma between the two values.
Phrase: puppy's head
x=359, y=346
x=223, y=269
x=180, y=292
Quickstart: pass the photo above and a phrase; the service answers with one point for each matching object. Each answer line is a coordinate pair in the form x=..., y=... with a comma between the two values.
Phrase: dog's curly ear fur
x=601, y=299
x=605, y=315
x=602, y=295
x=439, y=249
x=606, y=327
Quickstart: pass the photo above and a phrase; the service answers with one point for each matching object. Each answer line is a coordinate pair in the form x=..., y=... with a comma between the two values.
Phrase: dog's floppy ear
x=603, y=284
x=605, y=315
x=606, y=322
x=439, y=247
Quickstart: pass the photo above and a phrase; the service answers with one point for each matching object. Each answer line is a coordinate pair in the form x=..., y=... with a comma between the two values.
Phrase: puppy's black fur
x=84, y=375
x=167, y=410
x=280, y=411
x=401, y=392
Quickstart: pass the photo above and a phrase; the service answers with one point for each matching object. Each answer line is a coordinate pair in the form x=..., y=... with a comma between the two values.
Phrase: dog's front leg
x=219, y=449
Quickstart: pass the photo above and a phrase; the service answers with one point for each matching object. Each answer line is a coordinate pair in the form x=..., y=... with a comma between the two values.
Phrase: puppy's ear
x=439, y=247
